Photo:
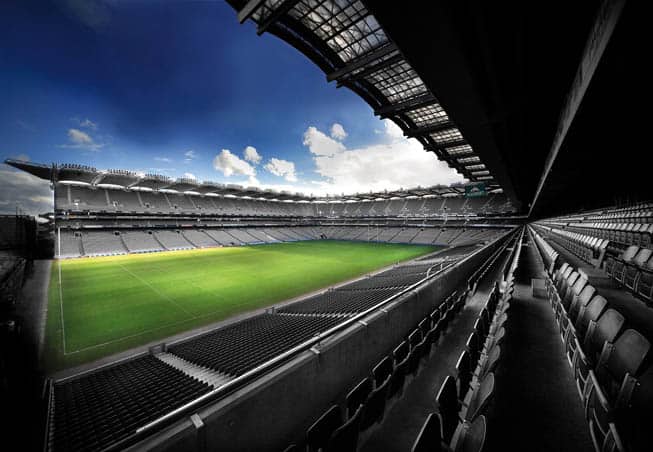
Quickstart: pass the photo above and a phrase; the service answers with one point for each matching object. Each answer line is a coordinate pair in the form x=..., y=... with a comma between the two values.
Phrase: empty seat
x=464, y=371
x=481, y=397
x=358, y=396
x=429, y=438
x=345, y=437
x=318, y=434
x=449, y=407
x=471, y=437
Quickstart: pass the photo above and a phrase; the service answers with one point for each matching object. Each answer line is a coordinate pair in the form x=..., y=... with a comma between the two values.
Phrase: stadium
x=508, y=310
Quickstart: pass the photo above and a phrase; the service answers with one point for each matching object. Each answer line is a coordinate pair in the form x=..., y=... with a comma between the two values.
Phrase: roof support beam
x=429, y=129
x=278, y=12
x=604, y=24
x=249, y=9
x=370, y=70
x=362, y=61
x=408, y=105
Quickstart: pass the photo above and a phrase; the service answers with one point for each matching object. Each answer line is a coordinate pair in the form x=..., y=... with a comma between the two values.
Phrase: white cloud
x=400, y=163
x=189, y=155
x=320, y=144
x=230, y=164
x=163, y=159
x=338, y=132
x=251, y=155
x=87, y=123
x=190, y=176
x=31, y=194
x=78, y=139
x=282, y=168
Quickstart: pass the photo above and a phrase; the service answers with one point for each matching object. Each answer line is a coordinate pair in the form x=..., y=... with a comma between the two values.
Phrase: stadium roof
x=346, y=41
x=128, y=179
x=494, y=89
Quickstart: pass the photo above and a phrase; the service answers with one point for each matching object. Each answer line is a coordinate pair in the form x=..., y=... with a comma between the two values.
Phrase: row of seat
x=608, y=359
x=106, y=406
x=244, y=345
x=365, y=404
x=590, y=249
x=634, y=270
x=459, y=423
x=626, y=233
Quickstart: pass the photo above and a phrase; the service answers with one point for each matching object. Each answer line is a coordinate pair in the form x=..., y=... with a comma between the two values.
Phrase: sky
x=180, y=88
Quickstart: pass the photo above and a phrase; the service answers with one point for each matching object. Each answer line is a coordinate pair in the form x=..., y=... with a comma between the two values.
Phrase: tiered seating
x=199, y=238
x=365, y=404
x=173, y=240
x=140, y=241
x=590, y=249
x=426, y=236
x=222, y=237
x=385, y=280
x=608, y=357
x=341, y=301
x=101, y=408
x=101, y=243
x=634, y=270
x=240, y=347
x=124, y=201
x=83, y=198
x=627, y=233
x=70, y=244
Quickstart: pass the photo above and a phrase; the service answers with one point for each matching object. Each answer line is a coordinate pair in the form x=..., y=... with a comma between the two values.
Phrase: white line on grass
x=155, y=289
x=63, y=328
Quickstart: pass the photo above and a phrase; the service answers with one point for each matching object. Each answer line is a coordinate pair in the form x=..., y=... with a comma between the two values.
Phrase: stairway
x=203, y=374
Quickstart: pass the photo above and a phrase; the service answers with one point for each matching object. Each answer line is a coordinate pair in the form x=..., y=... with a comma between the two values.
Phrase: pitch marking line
x=154, y=289
x=63, y=328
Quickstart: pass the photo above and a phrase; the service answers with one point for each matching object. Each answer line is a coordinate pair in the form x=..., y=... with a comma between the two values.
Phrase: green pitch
x=109, y=304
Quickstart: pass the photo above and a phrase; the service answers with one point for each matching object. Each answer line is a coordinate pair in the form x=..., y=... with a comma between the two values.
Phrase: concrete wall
x=276, y=410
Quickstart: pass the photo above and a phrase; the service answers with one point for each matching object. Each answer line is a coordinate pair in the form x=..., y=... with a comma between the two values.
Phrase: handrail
x=268, y=365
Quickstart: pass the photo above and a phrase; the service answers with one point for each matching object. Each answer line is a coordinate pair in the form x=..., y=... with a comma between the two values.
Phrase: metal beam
x=249, y=9
x=604, y=24
x=279, y=11
x=370, y=70
x=442, y=146
x=429, y=129
x=363, y=61
x=407, y=105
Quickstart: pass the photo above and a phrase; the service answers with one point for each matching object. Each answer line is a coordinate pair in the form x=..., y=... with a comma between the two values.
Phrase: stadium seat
x=400, y=356
x=471, y=437
x=358, y=396
x=345, y=437
x=464, y=372
x=429, y=438
x=375, y=406
x=449, y=407
x=481, y=397
x=382, y=371
x=318, y=434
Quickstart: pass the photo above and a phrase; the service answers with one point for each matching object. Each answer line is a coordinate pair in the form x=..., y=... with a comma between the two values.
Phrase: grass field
x=109, y=304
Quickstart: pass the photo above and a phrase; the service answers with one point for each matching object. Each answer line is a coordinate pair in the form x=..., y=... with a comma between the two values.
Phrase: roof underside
x=484, y=85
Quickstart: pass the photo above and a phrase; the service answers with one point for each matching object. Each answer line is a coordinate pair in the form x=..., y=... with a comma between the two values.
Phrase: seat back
x=449, y=406
x=429, y=438
x=375, y=406
x=606, y=329
x=400, y=352
x=345, y=437
x=580, y=302
x=483, y=395
x=474, y=436
x=464, y=371
x=627, y=355
x=358, y=396
x=318, y=434
x=382, y=371
x=591, y=313
x=642, y=257
x=474, y=344
x=630, y=253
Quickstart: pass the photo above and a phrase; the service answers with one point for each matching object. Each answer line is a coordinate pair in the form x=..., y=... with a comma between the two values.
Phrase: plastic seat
x=318, y=434
x=481, y=397
x=464, y=374
x=471, y=437
x=358, y=396
x=449, y=407
x=345, y=437
x=375, y=407
x=429, y=438
x=382, y=371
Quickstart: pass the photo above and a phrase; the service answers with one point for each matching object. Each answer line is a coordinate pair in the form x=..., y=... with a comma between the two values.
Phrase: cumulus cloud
x=282, y=168
x=190, y=176
x=251, y=155
x=398, y=163
x=31, y=194
x=78, y=139
x=338, y=132
x=189, y=155
x=321, y=144
x=230, y=164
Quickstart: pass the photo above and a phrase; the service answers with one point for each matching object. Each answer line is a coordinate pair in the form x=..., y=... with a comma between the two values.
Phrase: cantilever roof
x=346, y=41
x=127, y=179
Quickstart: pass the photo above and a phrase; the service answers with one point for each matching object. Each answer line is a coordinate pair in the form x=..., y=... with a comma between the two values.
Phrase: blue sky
x=181, y=88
